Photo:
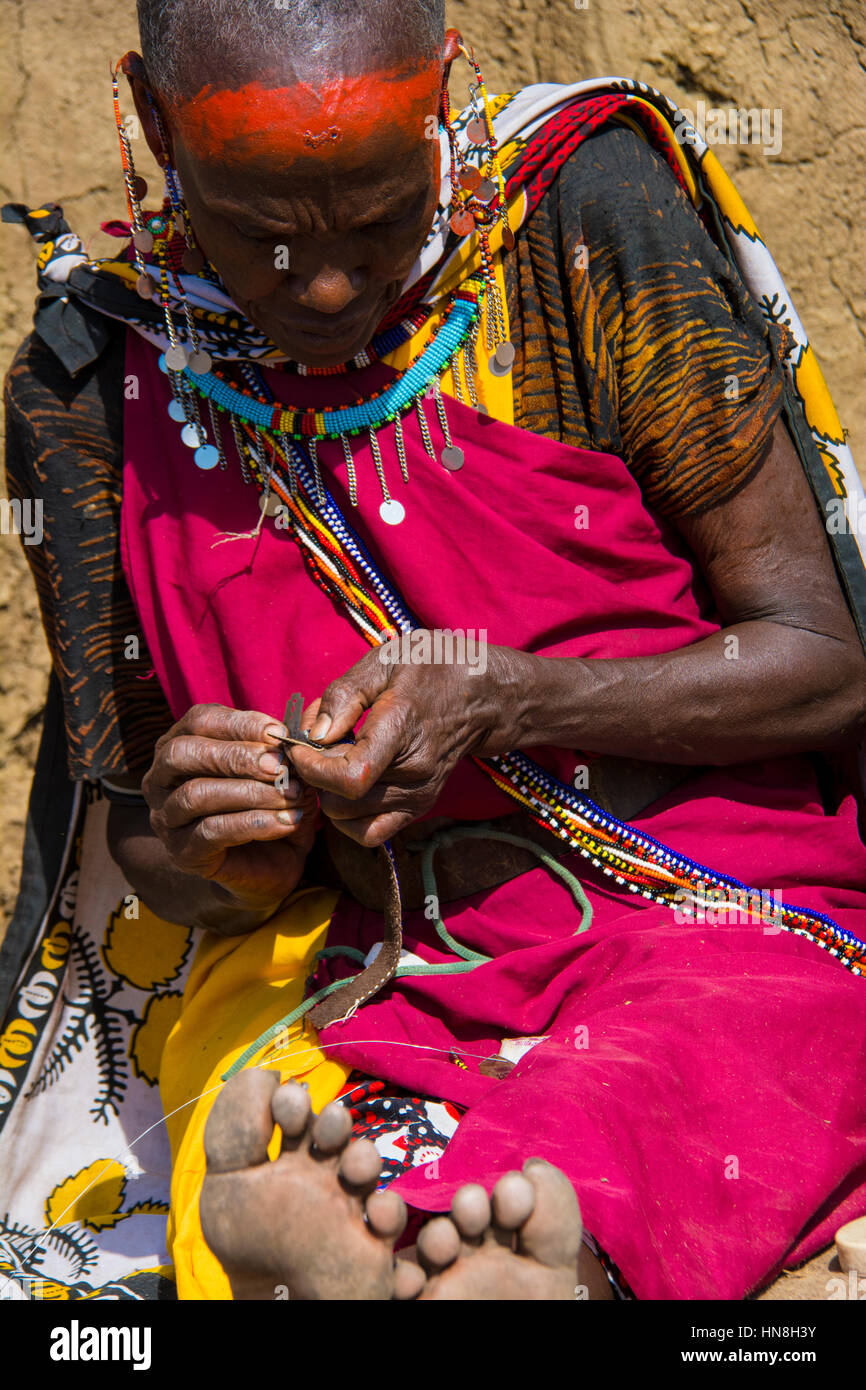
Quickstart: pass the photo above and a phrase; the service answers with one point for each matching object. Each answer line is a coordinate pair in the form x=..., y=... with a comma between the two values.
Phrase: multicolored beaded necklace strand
x=451, y=346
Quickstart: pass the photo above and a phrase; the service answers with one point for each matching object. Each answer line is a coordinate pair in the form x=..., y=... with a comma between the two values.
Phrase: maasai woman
x=515, y=403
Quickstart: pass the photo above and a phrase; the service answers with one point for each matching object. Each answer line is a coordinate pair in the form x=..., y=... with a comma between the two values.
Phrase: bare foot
x=521, y=1244
x=311, y=1220
x=298, y=1221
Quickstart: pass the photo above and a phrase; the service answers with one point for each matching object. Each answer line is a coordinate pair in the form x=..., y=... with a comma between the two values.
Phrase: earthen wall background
x=803, y=56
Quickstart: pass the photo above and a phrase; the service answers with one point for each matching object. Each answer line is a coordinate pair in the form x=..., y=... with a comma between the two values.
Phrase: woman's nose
x=327, y=289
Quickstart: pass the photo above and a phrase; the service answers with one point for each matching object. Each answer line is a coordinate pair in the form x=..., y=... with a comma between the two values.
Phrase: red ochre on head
x=301, y=120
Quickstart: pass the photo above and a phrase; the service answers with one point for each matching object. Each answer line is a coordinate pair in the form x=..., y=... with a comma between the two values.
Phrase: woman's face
x=312, y=204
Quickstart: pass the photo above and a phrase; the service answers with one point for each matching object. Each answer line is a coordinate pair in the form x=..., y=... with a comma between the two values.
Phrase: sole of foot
x=521, y=1243
x=310, y=1221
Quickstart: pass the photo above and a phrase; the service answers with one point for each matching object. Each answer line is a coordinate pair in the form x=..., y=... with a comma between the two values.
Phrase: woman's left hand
x=423, y=719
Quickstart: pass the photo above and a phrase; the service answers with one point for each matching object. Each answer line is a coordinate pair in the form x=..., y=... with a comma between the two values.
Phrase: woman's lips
x=328, y=332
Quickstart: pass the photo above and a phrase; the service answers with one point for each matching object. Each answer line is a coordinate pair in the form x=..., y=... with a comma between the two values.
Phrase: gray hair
x=186, y=43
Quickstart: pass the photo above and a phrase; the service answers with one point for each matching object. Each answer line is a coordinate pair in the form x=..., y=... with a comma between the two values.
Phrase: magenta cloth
x=700, y=1084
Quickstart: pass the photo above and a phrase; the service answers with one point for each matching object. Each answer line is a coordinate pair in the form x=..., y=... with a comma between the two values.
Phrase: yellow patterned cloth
x=238, y=987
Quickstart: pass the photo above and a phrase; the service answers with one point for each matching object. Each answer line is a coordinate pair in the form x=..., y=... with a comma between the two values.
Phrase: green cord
x=444, y=838
x=469, y=959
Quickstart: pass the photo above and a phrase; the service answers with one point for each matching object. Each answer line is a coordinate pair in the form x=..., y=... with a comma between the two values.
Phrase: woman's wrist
x=533, y=701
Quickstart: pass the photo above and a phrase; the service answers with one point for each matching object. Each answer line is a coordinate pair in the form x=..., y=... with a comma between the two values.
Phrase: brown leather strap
x=343, y=1002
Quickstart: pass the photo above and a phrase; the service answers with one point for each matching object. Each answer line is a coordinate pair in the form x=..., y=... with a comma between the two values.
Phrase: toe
x=470, y=1210
x=360, y=1165
x=553, y=1231
x=438, y=1243
x=332, y=1128
x=290, y=1107
x=386, y=1215
x=409, y=1280
x=240, y=1125
x=513, y=1200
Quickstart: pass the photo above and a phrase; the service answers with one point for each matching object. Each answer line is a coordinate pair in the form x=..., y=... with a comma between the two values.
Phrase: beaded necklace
x=264, y=428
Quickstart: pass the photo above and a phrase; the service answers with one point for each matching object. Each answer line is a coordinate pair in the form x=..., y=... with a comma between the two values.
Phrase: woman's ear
x=451, y=50
x=132, y=66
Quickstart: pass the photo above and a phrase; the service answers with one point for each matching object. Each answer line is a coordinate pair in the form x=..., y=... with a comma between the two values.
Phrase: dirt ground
x=803, y=58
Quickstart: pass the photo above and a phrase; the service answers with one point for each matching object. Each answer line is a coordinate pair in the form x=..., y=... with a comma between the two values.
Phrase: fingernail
x=276, y=731
x=289, y=817
x=321, y=727
x=269, y=762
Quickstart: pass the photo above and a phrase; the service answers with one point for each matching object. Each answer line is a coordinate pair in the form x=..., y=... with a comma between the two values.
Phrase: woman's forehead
x=297, y=119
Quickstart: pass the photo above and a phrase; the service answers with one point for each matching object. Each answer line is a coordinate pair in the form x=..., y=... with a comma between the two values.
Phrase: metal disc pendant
x=143, y=240
x=200, y=362
x=476, y=131
x=508, y=238
x=177, y=412
x=486, y=190
x=161, y=363
x=193, y=260
x=270, y=504
x=470, y=177
x=463, y=223
x=139, y=188
x=175, y=358
x=452, y=458
x=145, y=286
x=393, y=512
x=191, y=437
x=207, y=456
x=503, y=359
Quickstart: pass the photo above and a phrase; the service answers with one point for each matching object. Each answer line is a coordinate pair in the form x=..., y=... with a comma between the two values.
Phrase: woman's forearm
x=756, y=689
x=171, y=894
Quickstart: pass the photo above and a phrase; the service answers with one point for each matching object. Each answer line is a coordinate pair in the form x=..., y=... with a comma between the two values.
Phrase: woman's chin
x=328, y=348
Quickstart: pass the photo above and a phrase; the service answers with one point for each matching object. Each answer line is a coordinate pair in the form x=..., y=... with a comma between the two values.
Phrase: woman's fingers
x=199, y=848
x=211, y=796
x=222, y=722
x=346, y=698
x=375, y=830
x=382, y=799
x=351, y=769
x=192, y=755
x=213, y=740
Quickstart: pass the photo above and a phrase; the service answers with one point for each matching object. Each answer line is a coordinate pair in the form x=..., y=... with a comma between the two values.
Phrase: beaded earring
x=179, y=354
x=478, y=202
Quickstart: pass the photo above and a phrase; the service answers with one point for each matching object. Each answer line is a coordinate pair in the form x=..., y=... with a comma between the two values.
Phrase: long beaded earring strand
x=477, y=202
x=186, y=351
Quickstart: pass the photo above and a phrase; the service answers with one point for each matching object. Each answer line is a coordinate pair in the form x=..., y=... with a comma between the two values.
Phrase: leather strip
x=343, y=1002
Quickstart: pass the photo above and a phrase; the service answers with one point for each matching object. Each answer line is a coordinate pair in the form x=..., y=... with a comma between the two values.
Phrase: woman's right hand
x=219, y=810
